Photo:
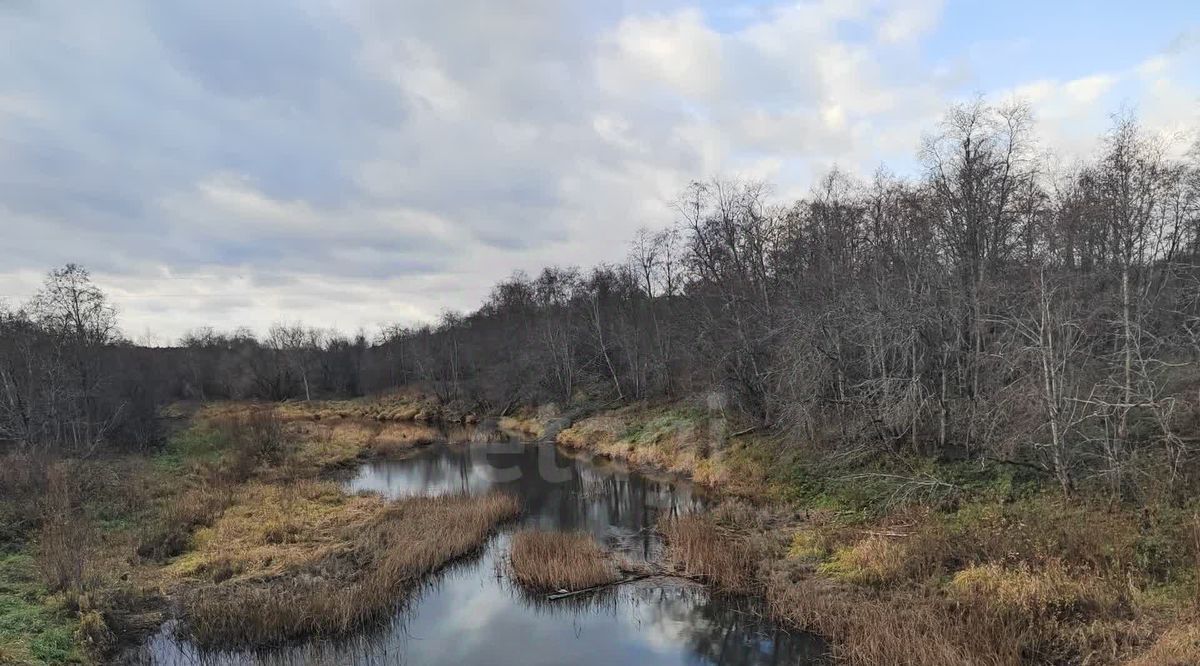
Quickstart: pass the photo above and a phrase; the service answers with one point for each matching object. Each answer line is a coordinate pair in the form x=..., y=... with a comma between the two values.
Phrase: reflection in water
x=469, y=614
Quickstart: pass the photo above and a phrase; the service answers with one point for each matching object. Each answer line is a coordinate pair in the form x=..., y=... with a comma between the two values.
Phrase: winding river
x=470, y=614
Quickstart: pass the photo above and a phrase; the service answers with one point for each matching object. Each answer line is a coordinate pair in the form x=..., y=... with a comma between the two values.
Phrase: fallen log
x=563, y=595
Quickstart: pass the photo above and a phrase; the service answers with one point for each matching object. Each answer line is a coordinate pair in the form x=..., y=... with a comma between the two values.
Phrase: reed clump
x=554, y=561
x=699, y=547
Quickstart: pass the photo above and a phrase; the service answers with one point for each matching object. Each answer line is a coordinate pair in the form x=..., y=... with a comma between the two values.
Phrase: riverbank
x=903, y=560
x=915, y=561
x=234, y=524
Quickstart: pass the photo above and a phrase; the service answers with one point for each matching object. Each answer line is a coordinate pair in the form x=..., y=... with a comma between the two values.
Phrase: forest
x=998, y=306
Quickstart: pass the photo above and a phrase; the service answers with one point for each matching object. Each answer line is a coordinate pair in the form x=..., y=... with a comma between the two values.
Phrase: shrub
x=256, y=437
x=64, y=540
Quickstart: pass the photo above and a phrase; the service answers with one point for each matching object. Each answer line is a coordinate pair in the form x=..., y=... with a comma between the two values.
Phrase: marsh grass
x=359, y=571
x=552, y=561
x=912, y=597
x=1179, y=646
x=701, y=548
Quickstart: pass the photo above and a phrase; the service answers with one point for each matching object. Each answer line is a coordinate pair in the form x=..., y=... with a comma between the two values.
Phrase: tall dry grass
x=23, y=480
x=699, y=547
x=360, y=581
x=179, y=517
x=552, y=561
x=875, y=607
x=64, y=541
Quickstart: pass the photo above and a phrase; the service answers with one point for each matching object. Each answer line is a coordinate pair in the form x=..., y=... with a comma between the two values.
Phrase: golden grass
x=808, y=545
x=879, y=599
x=272, y=528
x=323, y=445
x=864, y=630
x=231, y=507
x=639, y=436
x=399, y=406
x=395, y=439
x=529, y=425
x=678, y=441
x=356, y=566
x=875, y=560
x=553, y=561
x=1179, y=646
x=179, y=516
x=1049, y=591
x=698, y=547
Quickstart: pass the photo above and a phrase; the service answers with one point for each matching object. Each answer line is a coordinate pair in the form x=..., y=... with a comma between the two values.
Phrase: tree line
x=995, y=305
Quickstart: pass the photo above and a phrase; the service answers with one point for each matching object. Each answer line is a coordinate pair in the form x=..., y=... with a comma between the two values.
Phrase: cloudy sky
x=351, y=163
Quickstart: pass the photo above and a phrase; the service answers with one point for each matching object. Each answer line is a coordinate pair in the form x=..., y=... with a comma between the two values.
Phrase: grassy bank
x=233, y=520
x=915, y=561
x=316, y=563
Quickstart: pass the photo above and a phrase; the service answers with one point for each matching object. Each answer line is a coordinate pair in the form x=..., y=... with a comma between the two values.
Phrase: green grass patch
x=200, y=442
x=33, y=629
x=644, y=432
x=881, y=486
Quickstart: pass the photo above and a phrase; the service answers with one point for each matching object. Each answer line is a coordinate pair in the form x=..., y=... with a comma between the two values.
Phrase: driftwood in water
x=594, y=588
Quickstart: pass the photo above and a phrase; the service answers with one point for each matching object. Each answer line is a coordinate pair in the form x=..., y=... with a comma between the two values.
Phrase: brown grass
x=1179, y=646
x=180, y=515
x=400, y=438
x=698, y=547
x=23, y=481
x=673, y=439
x=526, y=425
x=1047, y=593
x=399, y=406
x=65, y=538
x=878, y=600
x=345, y=571
x=552, y=561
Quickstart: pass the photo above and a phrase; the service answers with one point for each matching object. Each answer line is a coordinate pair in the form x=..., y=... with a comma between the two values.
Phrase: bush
x=64, y=540
x=255, y=438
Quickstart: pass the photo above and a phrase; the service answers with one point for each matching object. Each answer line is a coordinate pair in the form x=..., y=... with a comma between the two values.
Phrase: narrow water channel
x=470, y=614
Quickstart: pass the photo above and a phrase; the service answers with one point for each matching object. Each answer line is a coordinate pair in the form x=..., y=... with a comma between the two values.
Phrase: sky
x=361, y=162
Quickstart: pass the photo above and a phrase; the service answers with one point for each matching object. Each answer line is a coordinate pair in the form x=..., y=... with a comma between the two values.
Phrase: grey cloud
x=417, y=149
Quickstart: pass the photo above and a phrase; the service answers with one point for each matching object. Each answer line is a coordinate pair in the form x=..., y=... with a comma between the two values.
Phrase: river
x=469, y=614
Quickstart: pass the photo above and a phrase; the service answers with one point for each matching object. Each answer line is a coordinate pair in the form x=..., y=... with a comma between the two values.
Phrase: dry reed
x=362, y=580
x=553, y=561
x=699, y=548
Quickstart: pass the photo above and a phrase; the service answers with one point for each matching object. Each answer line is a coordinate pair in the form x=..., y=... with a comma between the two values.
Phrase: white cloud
x=1089, y=89
x=678, y=50
x=908, y=21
